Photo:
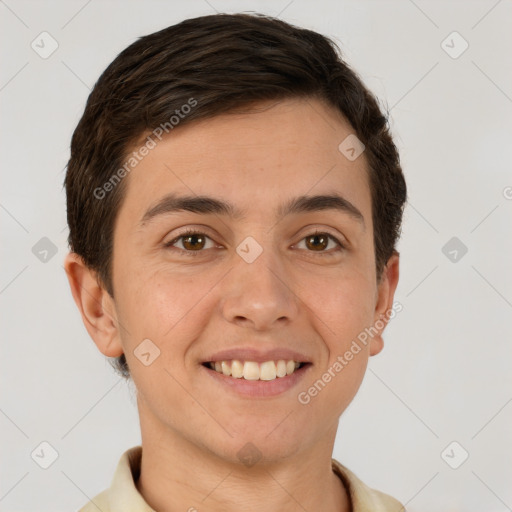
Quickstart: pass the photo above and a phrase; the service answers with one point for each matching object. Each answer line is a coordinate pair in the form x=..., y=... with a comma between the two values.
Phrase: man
x=234, y=201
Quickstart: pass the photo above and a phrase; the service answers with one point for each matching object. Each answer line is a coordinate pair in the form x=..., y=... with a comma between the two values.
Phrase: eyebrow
x=204, y=205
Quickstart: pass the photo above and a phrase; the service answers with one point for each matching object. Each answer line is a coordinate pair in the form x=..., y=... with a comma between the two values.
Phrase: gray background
x=445, y=373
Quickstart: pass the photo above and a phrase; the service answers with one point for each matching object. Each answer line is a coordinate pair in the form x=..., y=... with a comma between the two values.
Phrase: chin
x=265, y=445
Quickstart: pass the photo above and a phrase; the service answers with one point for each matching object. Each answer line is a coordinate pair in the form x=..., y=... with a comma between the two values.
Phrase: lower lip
x=259, y=388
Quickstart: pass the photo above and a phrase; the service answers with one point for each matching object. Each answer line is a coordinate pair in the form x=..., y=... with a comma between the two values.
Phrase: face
x=273, y=276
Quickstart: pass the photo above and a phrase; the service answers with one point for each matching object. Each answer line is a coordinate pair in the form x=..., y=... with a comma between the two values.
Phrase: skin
x=292, y=296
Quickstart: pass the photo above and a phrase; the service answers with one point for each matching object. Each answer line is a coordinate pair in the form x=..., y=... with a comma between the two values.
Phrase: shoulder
x=364, y=498
x=99, y=502
x=122, y=495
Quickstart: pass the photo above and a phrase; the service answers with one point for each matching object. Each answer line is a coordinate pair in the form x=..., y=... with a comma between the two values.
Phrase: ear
x=95, y=304
x=384, y=303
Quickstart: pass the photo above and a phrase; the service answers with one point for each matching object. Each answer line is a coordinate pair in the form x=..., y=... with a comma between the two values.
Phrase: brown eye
x=193, y=242
x=321, y=243
x=317, y=242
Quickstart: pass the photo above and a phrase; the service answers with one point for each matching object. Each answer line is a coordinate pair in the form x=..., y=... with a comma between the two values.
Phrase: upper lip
x=257, y=355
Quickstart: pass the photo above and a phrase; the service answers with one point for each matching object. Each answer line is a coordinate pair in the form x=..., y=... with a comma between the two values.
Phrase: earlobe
x=384, y=304
x=95, y=305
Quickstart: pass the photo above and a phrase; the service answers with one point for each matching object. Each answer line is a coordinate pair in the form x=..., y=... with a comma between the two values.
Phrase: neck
x=177, y=474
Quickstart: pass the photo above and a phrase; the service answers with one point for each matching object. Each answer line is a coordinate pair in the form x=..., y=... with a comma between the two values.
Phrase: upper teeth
x=251, y=370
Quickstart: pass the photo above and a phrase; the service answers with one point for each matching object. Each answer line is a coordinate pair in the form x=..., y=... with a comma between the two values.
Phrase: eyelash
x=193, y=254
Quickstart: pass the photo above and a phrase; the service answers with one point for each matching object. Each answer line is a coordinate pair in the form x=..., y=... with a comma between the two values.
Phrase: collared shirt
x=123, y=496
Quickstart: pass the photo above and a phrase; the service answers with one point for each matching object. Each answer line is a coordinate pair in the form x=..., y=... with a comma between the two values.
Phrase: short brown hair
x=224, y=62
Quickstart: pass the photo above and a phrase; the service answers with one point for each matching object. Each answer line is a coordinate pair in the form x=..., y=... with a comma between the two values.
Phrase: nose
x=259, y=294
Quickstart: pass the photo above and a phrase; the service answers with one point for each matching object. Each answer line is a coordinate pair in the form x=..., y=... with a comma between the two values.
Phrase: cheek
x=344, y=306
x=163, y=307
x=343, y=311
x=169, y=312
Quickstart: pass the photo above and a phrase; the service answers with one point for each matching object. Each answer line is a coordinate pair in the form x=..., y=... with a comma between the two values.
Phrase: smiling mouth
x=251, y=370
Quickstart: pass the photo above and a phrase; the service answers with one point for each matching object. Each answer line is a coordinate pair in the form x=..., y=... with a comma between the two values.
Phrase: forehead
x=277, y=151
